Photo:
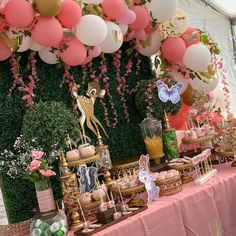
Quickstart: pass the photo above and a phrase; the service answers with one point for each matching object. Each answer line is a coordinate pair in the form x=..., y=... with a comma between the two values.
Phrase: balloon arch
x=76, y=31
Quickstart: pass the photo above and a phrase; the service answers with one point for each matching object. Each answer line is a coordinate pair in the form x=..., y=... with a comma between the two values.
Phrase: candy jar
x=152, y=135
x=170, y=140
x=48, y=220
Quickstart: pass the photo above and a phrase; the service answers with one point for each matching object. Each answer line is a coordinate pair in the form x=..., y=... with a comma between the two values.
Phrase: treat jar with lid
x=152, y=135
x=48, y=221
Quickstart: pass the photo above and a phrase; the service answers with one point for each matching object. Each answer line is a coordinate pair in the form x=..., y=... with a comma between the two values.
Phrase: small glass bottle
x=170, y=140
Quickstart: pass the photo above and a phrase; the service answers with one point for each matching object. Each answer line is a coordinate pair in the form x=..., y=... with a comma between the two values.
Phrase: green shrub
x=50, y=123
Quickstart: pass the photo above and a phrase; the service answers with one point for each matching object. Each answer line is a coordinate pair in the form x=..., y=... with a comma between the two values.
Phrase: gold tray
x=224, y=154
x=83, y=161
x=129, y=191
x=199, y=140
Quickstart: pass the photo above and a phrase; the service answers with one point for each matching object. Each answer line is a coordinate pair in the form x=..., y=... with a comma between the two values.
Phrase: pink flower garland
x=28, y=89
x=148, y=97
x=70, y=81
x=121, y=87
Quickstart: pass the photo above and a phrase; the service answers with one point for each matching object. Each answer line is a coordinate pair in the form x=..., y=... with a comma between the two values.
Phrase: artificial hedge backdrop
x=125, y=140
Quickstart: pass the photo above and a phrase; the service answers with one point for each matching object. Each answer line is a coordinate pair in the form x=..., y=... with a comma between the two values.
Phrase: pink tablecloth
x=206, y=210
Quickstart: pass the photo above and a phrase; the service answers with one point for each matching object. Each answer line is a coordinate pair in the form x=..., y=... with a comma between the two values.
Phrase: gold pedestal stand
x=70, y=193
x=132, y=193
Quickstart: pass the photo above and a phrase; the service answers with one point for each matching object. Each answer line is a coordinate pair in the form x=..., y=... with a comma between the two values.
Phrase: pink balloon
x=211, y=95
x=114, y=9
x=150, y=29
x=73, y=52
x=70, y=13
x=139, y=34
x=87, y=60
x=129, y=17
x=96, y=51
x=129, y=36
x=19, y=13
x=142, y=18
x=173, y=49
x=5, y=51
x=191, y=36
x=47, y=31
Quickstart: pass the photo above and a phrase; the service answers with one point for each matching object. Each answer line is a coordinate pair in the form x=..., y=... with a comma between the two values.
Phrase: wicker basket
x=170, y=186
x=18, y=229
x=91, y=210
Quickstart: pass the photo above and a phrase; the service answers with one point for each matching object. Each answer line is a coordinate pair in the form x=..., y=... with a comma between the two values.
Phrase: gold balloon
x=129, y=3
x=48, y=8
x=187, y=96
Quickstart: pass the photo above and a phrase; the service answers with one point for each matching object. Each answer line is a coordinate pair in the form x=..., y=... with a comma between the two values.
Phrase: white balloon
x=162, y=10
x=196, y=83
x=91, y=30
x=36, y=46
x=197, y=57
x=114, y=38
x=124, y=28
x=25, y=44
x=178, y=77
x=150, y=45
x=96, y=2
x=49, y=56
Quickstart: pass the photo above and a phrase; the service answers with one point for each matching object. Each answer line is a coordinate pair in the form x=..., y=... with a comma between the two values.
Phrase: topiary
x=147, y=100
x=50, y=123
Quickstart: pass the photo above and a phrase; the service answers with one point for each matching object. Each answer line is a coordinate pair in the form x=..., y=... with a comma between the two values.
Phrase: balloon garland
x=75, y=32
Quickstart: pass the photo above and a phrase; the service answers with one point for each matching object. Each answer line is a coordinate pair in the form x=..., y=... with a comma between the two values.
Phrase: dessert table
x=206, y=210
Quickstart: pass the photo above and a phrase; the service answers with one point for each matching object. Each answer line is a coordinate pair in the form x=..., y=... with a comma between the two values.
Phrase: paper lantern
x=197, y=57
x=114, y=38
x=91, y=30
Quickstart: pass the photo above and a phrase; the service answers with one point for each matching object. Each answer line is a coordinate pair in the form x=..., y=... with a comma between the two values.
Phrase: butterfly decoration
x=166, y=94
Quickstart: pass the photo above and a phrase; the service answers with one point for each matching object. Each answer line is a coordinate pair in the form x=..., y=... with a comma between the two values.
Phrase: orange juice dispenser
x=152, y=135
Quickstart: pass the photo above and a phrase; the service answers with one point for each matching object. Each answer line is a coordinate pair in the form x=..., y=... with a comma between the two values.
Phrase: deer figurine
x=86, y=107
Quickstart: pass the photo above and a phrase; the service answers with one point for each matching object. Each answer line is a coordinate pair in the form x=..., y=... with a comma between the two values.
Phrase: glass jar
x=48, y=221
x=152, y=135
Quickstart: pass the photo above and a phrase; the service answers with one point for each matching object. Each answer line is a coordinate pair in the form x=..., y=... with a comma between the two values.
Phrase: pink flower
x=37, y=155
x=34, y=165
x=47, y=173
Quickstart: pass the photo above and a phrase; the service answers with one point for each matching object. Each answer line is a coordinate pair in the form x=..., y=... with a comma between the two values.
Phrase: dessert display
x=169, y=182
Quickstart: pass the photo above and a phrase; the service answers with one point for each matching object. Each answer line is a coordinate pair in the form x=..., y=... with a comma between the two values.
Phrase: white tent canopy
x=227, y=7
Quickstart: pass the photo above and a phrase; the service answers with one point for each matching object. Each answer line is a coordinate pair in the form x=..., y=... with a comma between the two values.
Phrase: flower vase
x=48, y=221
